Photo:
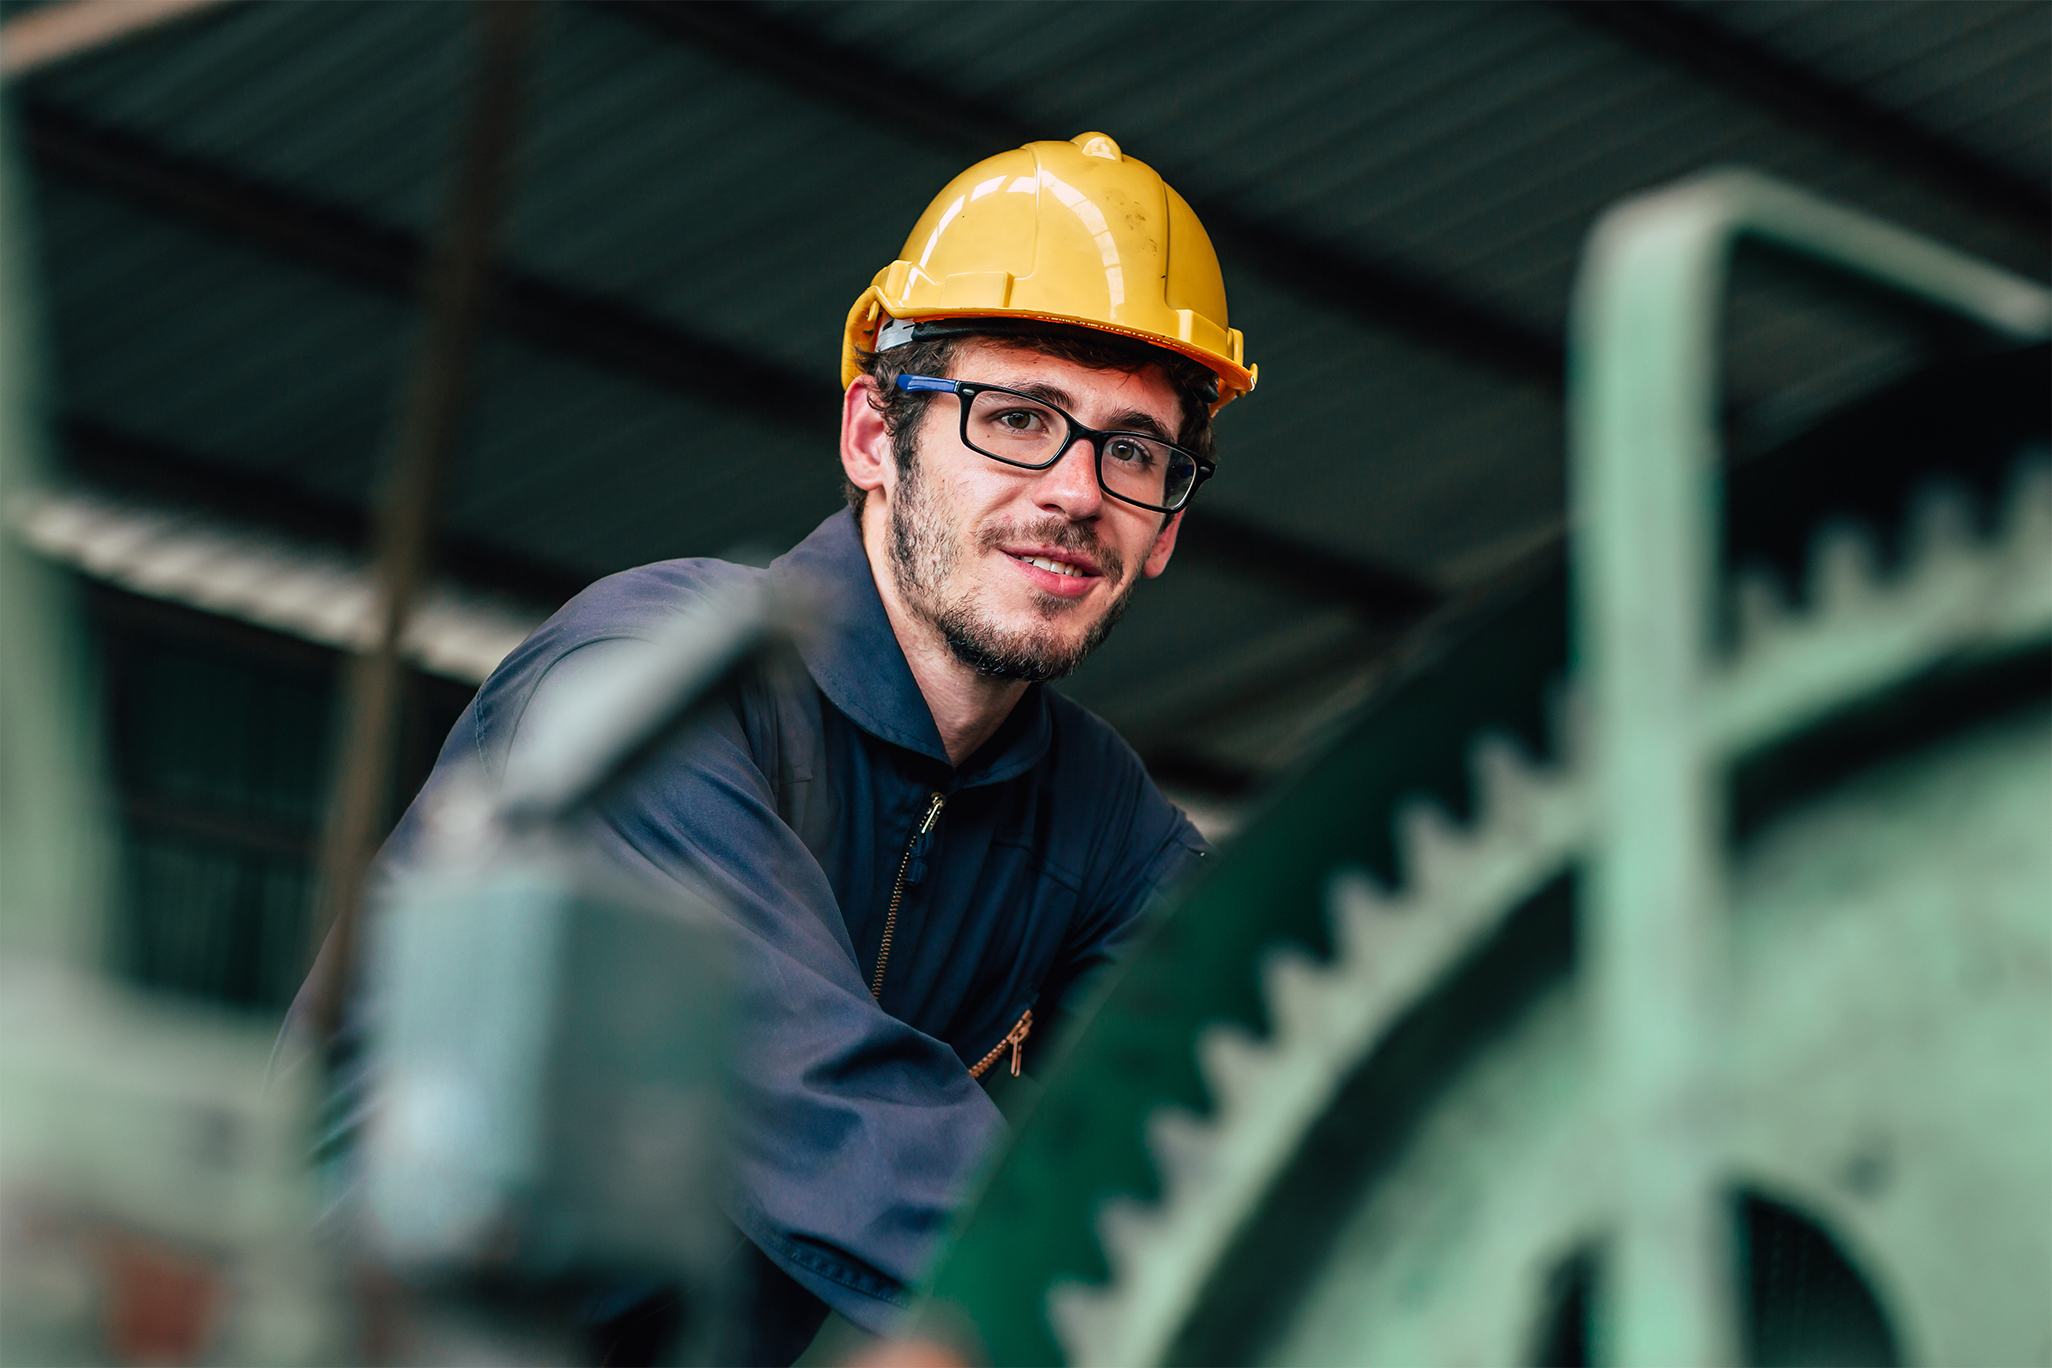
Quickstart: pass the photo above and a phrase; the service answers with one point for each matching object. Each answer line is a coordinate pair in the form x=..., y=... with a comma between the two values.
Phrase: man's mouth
x=1060, y=573
x=1054, y=567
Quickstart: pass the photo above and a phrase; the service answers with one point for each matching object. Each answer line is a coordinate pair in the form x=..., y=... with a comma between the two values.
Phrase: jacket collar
x=854, y=657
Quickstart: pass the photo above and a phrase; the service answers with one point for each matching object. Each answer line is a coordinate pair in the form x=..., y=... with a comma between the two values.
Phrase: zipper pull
x=916, y=869
x=1017, y=1039
x=915, y=864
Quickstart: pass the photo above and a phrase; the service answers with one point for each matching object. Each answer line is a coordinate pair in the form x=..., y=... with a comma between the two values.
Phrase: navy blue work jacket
x=859, y=1119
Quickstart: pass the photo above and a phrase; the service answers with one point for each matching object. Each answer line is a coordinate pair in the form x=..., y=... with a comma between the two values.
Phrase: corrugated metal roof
x=1977, y=73
x=1468, y=147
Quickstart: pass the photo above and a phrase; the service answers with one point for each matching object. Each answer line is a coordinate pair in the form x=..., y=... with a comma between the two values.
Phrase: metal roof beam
x=103, y=457
x=1696, y=43
x=869, y=86
x=340, y=242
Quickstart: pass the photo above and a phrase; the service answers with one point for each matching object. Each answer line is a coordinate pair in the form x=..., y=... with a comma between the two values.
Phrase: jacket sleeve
x=854, y=1132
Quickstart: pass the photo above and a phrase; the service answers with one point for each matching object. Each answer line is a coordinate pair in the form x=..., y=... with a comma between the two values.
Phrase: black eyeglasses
x=1031, y=433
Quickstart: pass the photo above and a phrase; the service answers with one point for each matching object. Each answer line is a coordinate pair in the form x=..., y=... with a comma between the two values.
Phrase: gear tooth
x=1363, y=915
x=1182, y=1145
x=1296, y=989
x=1843, y=575
x=1431, y=845
x=1232, y=1062
x=2027, y=510
x=2024, y=544
x=1084, y=1318
x=1941, y=529
x=1567, y=713
x=1355, y=889
x=1125, y=1227
x=1506, y=780
x=1763, y=609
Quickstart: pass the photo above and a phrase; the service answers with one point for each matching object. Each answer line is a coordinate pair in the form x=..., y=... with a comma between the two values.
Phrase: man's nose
x=1069, y=486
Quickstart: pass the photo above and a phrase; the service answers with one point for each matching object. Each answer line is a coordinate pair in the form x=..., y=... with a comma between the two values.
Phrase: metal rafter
x=1757, y=74
x=870, y=87
x=339, y=241
x=105, y=457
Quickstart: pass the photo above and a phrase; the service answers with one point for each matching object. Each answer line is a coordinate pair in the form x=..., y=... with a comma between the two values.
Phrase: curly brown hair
x=1194, y=384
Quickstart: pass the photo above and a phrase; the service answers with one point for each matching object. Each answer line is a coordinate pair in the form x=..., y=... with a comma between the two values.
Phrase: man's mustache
x=1060, y=533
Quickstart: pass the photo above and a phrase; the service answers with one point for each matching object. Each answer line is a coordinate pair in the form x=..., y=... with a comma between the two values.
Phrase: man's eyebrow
x=1139, y=420
x=1053, y=394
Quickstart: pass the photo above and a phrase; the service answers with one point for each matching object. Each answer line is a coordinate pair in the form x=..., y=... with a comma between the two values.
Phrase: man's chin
x=1031, y=654
x=1042, y=638
x=1052, y=610
x=1063, y=623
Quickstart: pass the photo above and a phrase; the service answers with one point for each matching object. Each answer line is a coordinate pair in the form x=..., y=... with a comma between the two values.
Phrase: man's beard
x=925, y=554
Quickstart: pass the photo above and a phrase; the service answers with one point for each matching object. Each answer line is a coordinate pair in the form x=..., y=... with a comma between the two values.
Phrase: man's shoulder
x=631, y=604
x=634, y=602
x=621, y=608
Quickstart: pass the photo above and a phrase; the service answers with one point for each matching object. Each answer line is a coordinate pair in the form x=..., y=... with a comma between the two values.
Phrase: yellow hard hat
x=1061, y=232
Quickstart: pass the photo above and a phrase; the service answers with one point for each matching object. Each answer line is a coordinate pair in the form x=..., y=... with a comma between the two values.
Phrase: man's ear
x=1164, y=546
x=865, y=441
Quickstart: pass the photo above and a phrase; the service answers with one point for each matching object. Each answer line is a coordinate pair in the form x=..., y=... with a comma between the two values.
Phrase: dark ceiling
x=232, y=213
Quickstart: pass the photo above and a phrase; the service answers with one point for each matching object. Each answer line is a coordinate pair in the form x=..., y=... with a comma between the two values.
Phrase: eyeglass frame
x=967, y=390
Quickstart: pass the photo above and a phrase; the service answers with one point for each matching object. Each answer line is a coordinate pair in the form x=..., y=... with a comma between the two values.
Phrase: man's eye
x=1128, y=451
x=1022, y=420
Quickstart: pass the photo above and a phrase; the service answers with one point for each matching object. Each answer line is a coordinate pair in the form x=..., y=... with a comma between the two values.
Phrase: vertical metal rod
x=1643, y=383
x=429, y=430
x=55, y=842
x=1643, y=392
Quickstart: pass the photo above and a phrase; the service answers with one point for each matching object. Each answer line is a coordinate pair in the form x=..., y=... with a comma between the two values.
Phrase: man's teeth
x=1056, y=566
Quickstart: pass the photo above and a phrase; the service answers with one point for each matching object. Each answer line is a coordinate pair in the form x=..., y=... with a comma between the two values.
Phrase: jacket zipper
x=1015, y=1038
x=883, y=953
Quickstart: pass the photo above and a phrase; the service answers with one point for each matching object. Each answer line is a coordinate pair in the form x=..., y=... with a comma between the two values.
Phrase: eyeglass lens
x=1014, y=428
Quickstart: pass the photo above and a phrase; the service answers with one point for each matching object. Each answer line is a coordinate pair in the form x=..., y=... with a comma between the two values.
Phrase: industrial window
x=219, y=745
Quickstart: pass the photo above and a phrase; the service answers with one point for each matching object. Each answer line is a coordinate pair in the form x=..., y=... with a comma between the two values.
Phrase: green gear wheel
x=1985, y=798
x=1318, y=1120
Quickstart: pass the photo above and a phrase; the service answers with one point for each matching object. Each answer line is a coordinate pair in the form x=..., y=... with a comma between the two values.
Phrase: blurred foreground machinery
x=1662, y=972
x=154, y=1199
x=539, y=1090
x=546, y=1072
x=541, y=1063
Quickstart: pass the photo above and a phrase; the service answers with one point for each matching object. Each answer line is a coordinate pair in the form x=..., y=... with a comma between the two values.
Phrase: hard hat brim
x=869, y=311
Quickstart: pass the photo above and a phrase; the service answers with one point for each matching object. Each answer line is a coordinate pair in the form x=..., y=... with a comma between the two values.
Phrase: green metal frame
x=54, y=847
x=1645, y=461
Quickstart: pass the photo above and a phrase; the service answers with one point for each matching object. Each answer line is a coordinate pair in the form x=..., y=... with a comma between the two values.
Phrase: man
x=926, y=854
